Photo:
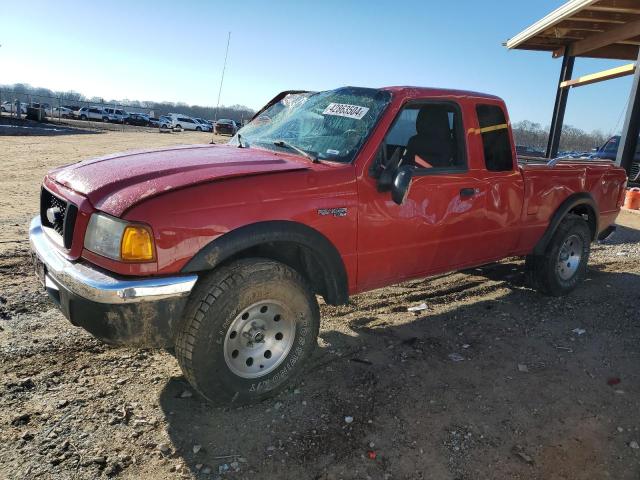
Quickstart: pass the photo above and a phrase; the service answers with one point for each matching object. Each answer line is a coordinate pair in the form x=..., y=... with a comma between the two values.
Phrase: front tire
x=248, y=329
x=564, y=263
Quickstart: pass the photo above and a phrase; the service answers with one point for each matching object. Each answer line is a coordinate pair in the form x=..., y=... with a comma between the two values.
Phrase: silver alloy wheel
x=569, y=257
x=259, y=339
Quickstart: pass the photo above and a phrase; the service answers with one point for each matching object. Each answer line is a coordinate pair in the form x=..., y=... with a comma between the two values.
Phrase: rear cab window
x=496, y=143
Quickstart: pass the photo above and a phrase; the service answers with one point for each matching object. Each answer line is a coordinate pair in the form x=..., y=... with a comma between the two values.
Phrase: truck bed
x=526, y=160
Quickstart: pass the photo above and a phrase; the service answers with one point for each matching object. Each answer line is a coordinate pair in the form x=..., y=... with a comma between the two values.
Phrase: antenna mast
x=224, y=67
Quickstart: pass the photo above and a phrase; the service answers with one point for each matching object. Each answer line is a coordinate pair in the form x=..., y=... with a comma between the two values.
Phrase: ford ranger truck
x=220, y=251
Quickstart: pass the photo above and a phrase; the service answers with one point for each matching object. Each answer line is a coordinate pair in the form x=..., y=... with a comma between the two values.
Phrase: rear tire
x=564, y=263
x=248, y=329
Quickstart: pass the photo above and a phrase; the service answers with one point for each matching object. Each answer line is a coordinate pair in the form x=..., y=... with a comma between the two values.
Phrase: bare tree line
x=26, y=93
x=525, y=132
x=534, y=135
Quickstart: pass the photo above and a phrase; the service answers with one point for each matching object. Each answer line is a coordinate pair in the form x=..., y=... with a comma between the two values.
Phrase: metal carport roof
x=590, y=28
x=586, y=28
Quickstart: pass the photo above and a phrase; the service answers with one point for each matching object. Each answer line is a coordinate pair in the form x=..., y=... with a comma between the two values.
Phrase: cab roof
x=432, y=91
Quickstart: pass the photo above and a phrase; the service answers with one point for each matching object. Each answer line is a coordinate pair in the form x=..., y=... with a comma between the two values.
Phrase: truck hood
x=115, y=183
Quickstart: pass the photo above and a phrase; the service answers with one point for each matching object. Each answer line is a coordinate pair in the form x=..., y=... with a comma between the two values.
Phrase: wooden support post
x=631, y=128
x=560, y=106
x=616, y=72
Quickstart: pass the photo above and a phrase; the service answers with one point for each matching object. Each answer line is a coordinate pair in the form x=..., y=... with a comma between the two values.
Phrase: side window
x=498, y=156
x=428, y=136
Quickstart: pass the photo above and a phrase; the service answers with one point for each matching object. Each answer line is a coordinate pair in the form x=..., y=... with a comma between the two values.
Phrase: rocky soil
x=491, y=380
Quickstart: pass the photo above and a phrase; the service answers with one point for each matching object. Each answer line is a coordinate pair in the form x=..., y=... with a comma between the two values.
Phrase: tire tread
x=540, y=269
x=208, y=290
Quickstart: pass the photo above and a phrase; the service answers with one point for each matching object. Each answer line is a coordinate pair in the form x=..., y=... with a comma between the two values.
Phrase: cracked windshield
x=330, y=125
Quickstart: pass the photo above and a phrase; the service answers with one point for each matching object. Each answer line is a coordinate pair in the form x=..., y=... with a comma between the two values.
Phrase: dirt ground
x=538, y=388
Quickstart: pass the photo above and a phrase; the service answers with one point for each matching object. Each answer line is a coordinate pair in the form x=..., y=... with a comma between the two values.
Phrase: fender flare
x=573, y=201
x=326, y=255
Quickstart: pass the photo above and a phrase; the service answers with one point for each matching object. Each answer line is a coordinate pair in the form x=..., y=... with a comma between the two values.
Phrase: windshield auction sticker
x=345, y=110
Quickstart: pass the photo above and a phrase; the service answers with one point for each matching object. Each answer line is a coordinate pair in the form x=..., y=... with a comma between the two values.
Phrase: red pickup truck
x=219, y=251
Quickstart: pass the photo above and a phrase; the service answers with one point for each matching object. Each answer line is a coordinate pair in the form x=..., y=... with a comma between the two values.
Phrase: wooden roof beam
x=596, y=19
x=615, y=51
x=604, y=39
x=602, y=8
x=561, y=28
x=587, y=24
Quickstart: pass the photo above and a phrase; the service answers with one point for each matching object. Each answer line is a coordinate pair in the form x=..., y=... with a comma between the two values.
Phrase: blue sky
x=167, y=50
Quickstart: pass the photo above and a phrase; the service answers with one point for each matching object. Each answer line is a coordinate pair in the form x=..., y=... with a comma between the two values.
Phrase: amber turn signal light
x=137, y=244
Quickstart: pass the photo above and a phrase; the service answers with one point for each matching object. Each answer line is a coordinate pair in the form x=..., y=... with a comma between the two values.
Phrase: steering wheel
x=352, y=137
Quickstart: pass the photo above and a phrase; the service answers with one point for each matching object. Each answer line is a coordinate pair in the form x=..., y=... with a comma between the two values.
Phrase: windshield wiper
x=282, y=143
x=240, y=144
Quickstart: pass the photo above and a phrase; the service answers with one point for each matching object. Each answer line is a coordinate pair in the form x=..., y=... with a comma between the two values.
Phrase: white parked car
x=10, y=107
x=206, y=126
x=116, y=115
x=182, y=122
x=63, y=112
x=165, y=122
x=91, y=113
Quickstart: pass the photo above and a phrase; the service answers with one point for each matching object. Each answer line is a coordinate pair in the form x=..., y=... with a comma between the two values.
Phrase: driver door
x=436, y=227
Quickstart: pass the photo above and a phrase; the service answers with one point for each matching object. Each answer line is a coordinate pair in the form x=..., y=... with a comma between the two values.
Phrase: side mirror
x=401, y=184
x=389, y=170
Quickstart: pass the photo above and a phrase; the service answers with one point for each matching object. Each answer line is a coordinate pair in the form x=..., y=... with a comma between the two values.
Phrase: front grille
x=59, y=215
x=635, y=170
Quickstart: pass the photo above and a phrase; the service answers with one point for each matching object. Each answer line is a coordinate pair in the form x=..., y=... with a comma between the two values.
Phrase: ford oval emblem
x=53, y=214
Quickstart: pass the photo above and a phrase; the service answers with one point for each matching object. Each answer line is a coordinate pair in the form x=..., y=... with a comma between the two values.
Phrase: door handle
x=467, y=192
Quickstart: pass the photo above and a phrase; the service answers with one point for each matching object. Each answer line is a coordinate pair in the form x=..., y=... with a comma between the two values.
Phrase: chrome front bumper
x=97, y=285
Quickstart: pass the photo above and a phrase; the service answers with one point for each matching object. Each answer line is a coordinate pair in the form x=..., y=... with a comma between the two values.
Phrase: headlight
x=119, y=240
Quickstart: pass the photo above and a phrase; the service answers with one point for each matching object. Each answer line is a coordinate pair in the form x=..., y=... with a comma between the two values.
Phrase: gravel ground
x=492, y=380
